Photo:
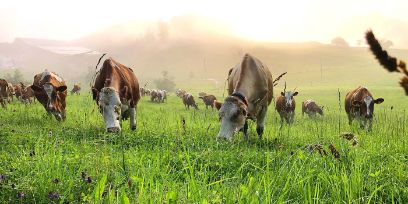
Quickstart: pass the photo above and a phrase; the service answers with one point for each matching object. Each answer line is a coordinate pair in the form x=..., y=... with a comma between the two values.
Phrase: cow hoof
x=133, y=127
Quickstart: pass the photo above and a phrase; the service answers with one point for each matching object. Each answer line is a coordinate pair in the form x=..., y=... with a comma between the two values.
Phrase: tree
x=18, y=76
x=340, y=42
x=165, y=82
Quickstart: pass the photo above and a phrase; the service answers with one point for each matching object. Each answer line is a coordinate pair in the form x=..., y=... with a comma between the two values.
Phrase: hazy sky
x=313, y=20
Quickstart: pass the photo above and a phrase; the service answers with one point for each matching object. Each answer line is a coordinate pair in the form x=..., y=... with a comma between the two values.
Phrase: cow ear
x=124, y=92
x=94, y=93
x=356, y=103
x=217, y=105
x=295, y=94
x=322, y=107
x=378, y=100
x=282, y=94
x=36, y=88
x=61, y=88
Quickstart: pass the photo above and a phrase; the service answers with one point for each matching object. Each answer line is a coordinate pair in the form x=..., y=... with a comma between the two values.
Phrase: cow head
x=232, y=114
x=110, y=105
x=55, y=103
x=289, y=97
x=365, y=107
x=320, y=110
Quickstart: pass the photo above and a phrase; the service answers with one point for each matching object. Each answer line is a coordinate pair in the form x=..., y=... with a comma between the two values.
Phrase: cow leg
x=350, y=118
x=132, y=112
x=369, y=124
x=245, y=130
x=260, y=122
x=281, y=123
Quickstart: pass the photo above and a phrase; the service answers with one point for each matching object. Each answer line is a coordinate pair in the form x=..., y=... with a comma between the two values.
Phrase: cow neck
x=240, y=97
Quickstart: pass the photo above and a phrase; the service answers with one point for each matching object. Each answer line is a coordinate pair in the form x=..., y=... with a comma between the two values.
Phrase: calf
x=4, y=92
x=188, y=100
x=51, y=91
x=285, y=105
x=28, y=95
x=76, y=90
x=311, y=108
x=359, y=104
x=116, y=92
x=208, y=100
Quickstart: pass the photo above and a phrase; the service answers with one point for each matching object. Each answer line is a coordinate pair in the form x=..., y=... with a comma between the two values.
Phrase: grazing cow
x=4, y=92
x=162, y=96
x=28, y=95
x=188, y=100
x=285, y=105
x=311, y=108
x=180, y=93
x=359, y=104
x=388, y=62
x=76, y=90
x=51, y=91
x=11, y=92
x=208, y=100
x=250, y=89
x=116, y=92
x=153, y=95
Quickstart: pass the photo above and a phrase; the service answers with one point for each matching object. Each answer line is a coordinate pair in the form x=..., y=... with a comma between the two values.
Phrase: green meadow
x=167, y=160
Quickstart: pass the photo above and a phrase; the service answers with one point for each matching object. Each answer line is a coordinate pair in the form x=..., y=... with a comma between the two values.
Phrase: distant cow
x=51, y=91
x=18, y=91
x=11, y=92
x=250, y=89
x=153, y=95
x=76, y=89
x=116, y=92
x=188, y=100
x=208, y=100
x=28, y=95
x=180, y=93
x=4, y=92
x=311, y=108
x=359, y=104
x=286, y=105
x=161, y=96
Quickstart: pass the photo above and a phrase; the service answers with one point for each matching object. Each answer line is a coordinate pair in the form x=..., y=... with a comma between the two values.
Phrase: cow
x=180, y=93
x=11, y=92
x=50, y=90
x=116, y=92
x=76, y=89
x=359, y=104
x=4, y=92
x=208, y=100
x=188, y=100
x=388, y=62
x=286, y=105
x=162, y=96
x=250, y=89
x=28, y=95
x=142, y=91
x=311, y=108
x=153, y=95
x=18, y=91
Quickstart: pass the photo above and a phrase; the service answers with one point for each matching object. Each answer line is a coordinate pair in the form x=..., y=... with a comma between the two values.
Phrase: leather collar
x=241, y=97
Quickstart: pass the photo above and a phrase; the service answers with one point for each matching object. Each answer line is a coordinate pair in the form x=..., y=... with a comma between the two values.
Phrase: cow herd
x=116, y=92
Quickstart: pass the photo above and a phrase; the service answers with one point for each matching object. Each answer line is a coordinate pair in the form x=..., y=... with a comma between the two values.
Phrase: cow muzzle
x=113, y=129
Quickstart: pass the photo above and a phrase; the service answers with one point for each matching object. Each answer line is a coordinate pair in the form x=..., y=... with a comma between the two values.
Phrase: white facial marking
x=48, y=88
x=228, y=127
x=368, y=100
x=111, y=107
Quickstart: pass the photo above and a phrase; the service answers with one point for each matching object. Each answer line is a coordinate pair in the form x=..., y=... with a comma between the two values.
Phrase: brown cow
x=76, y=89
x=28, y=95
x=208, y=100
x=4, y=92
x=188, y=100
x=11, y=92
x=286, y=105
x=18, y=91
x=359, y=104
x=51, y=91
x=116, y=92
x=153, y=95
x=311, y=108
x=250, y=89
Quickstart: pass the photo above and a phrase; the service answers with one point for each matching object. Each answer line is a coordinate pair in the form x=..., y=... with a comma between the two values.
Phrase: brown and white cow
x=250, y=89
x=311, y=108
x=180, y=93
x=76, y=89
x=286, y=105
x=4, y=92
x=188, y=100
x=116, y=92
x=51, y=91
x=208, y=100
x=154, y=95
x=18, y=91
x=359, y=104
x=11, y=92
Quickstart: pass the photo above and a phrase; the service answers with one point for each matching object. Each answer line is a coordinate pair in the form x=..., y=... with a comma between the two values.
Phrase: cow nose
x=368, y=116
x=113, y=129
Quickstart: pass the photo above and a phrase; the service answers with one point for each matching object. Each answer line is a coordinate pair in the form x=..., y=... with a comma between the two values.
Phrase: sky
x=259, y=20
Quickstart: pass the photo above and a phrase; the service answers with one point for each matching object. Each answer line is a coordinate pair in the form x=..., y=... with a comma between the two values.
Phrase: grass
x=164, y=162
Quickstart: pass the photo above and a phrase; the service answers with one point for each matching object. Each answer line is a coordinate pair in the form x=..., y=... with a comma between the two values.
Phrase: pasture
x=167, y=160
